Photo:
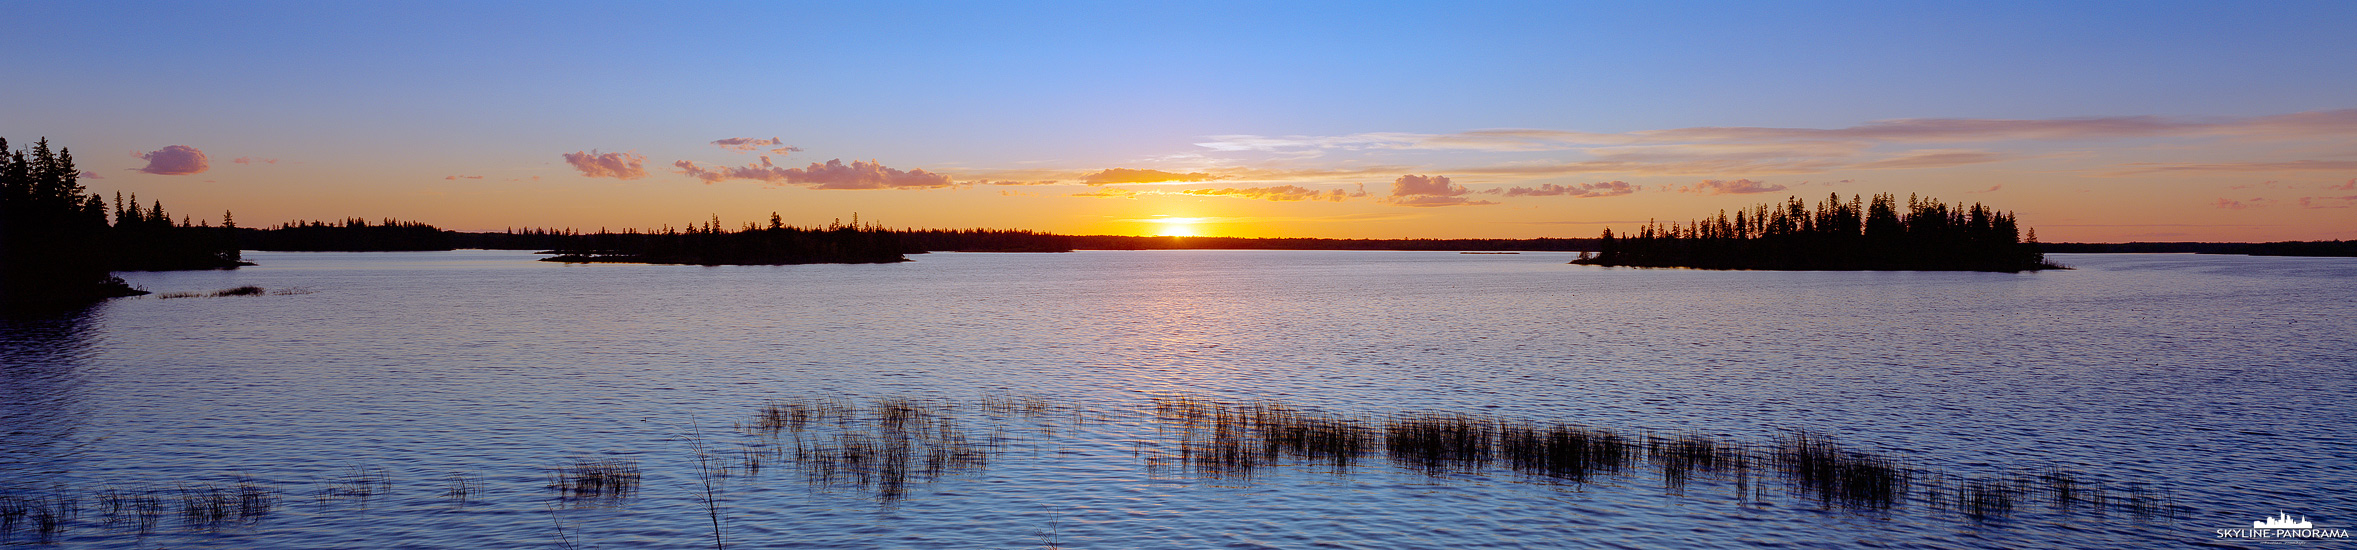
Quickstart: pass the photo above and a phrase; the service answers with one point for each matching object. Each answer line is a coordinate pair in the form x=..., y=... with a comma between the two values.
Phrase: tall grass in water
x=1223, y=440
x=45, y=516
x=595, y=479
x=884, y=446
x=1564, y=451
x=1818, y=467
x=359, y=483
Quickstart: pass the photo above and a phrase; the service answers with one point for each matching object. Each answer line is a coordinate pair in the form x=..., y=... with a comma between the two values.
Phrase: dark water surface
x=2223, y=381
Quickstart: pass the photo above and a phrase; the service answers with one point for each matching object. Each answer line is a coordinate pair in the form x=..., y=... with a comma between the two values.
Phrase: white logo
x=2282, y=526
x=2282, y=521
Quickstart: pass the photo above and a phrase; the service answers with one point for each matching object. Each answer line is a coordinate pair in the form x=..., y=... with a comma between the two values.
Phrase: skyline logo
x=2282, y=527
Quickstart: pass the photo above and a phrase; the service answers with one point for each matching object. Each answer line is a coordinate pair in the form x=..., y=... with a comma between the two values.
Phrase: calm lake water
x=2222, y=382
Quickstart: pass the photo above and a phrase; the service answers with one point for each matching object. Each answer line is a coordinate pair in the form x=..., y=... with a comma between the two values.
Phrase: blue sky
x=369, y=107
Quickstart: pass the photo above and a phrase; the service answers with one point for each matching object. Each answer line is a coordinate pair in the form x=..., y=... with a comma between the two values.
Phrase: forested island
x=1928, y=235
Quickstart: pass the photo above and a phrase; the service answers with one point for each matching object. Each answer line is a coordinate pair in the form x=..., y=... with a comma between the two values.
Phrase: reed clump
x=1821, y=468
x=358, y=483
x=1437, y=441
x=885, y=446
x=604, y=478
x=1564, y=451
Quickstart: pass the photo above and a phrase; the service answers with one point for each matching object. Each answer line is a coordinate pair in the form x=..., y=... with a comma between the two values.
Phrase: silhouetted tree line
x=349, y=235
x=1835, y=235
x=58, y=245
x=710, y=244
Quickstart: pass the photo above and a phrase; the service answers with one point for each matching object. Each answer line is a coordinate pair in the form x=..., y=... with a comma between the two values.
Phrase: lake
x=356, y=390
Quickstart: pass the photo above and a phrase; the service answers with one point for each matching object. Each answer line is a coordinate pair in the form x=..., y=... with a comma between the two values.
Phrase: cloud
x=1935, y=158
x=1991, y=189
x=251, y=160
x=1427, y=191
x=2231, y=204
x=86, y=174
x=621, y=166
x=833, y=174
x=176, y=160
x=1109, y=193
x=746, y=145
x=2284, y=166
x=456, y=178
x=1006, y=182
x=2327, y=202
x=1599, y=189
x=1723, y=187
x=1282, y=193
x=2347, y=186
x=1127, y=175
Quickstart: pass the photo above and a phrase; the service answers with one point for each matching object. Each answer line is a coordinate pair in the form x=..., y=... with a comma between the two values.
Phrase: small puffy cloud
x=2327, y=202
x=1599, y=189
x=1725, y=187
x=2231, y=204
x=1128, y=175
x=176, y=160
x=1109, y=193
x=1424, y=191
x=833, y=174
x=251, y=160
x=621, y=166
x=1280, y=193
x=456, y=178
x=86, y=174
x=747, y=145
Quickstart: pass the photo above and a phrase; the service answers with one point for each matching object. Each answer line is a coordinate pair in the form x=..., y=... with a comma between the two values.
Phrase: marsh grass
x=358, y=483
x=1819, y=468
x=462, y=489
x=886, y=446
x=595, y=479
x=45, y=516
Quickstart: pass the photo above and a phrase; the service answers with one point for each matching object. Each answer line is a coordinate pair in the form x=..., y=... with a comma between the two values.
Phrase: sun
x=1178, y=227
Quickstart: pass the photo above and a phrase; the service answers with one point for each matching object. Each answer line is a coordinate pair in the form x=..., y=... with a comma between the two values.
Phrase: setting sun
x=1178, y=227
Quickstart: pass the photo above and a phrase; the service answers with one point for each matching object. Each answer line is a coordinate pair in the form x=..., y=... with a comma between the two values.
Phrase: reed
x=462, y=489
x=1437, y=441
x=1563, y=451
x=604, y=478
x=1817, y=466
x=358, y=483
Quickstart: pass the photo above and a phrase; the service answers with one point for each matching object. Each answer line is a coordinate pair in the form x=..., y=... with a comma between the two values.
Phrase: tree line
x=61, y=243
x=1855, y=234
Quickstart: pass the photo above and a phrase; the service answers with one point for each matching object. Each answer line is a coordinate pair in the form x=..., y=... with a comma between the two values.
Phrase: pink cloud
x=1599, y=189
x=834, y=174
x=1282, y=193
x=1109, y=193
x=1427, y=191
x=1933, y=159
x=2328, y=202
x=1724, y=187
x=2350, y=185
x=176, y=160
x=91, y=175
x=456, y=178
x=743, y=145
x=251, y=160
x=1128, y=175
x=621, y=166
x=2230, y=204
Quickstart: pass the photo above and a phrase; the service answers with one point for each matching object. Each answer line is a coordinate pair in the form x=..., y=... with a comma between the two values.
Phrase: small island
x=1835, y=235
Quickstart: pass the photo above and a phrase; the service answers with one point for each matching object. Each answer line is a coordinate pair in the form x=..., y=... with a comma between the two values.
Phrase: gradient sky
x=2224, y=121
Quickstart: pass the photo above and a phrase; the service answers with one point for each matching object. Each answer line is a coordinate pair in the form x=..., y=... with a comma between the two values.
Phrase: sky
x=2091, y=121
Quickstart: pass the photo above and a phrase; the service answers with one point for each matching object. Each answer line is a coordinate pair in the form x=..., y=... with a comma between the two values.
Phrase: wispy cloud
x=1280, y=193
x=1730, y=187
x=622, y=166
x=747, y=145
x=456, y=178
x=2231, y=204
x=1111, y=176
x=2282, y=166
x=1429, y=191
x=1599, y=189
x=2328, y=202
x=251, y=160
x=173, y=160
x=832, y=174
x=1108, y=193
